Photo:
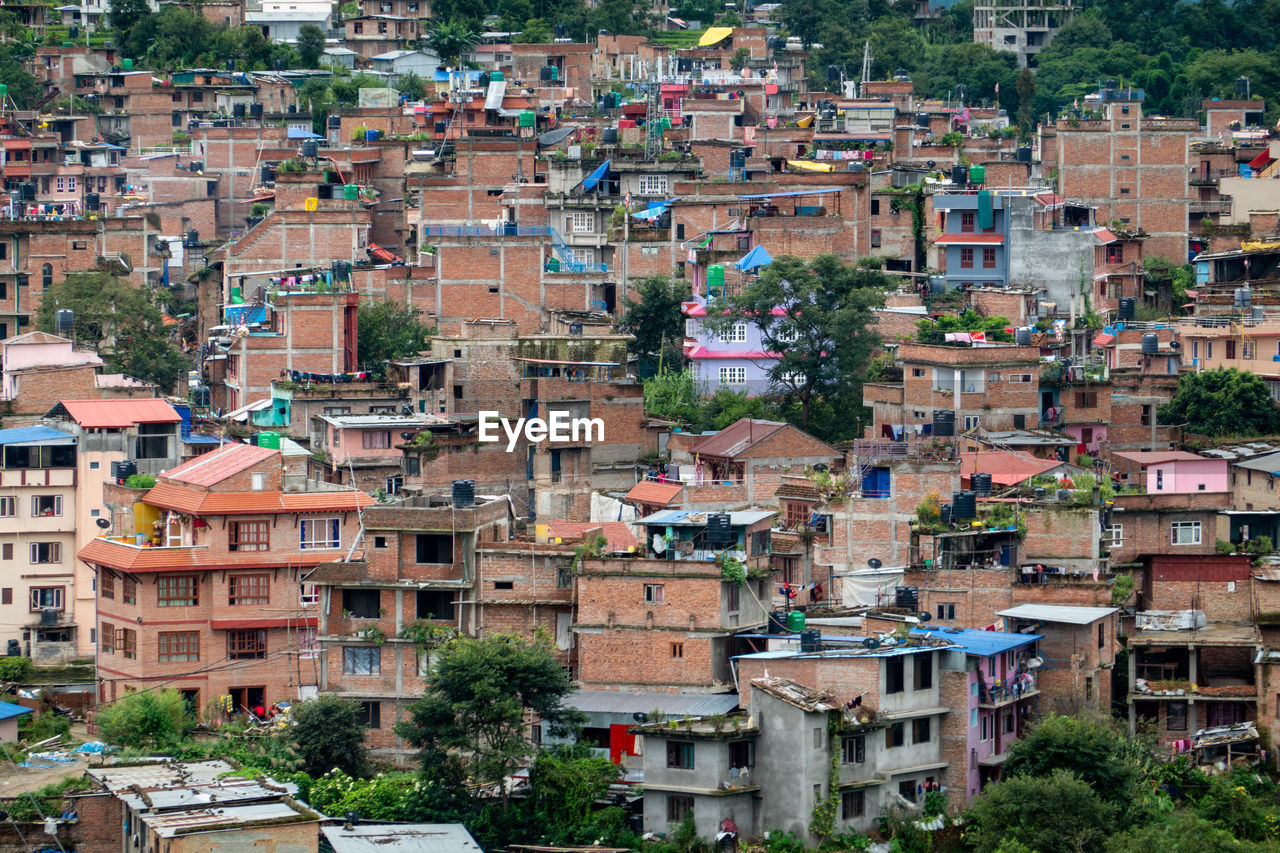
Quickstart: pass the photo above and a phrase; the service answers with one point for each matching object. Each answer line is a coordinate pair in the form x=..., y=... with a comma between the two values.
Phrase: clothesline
x=330, y=378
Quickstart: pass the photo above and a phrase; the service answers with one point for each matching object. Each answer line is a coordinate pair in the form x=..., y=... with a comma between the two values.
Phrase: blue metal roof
x=27, y=435
x=683, y=517
x=200, y=439
x=8, y=710
x=299, y=133
x=796, y=193
x=981, y=643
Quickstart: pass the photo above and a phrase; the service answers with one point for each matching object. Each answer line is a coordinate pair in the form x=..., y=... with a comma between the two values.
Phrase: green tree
x=654, y=317
x=451, y=39
x=1220, y=402
x=412, y=86
x=1026, y=95
x=23, y=87
x=1162, y=271
x=388, y=330
x=817, y=316
x=122, y=322
x=1058, y=813
x=1094, y=750
x=1180, y=832
x=935, y=331
x=384, y=797
x=535, y=31
x=328, y=735
x=146, y=720
x=474, y=708
x=310, y=45
x=565, y=784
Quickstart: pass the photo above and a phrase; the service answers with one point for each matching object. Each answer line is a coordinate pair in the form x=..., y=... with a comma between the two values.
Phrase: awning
x=1261, y=161
x=807, y=166
x=756, y=258
x=1103, y=340
x=595, y=177
x=714, y=35
x=300, y=133
x=554, y=137
x=650, y=213
x=242, y=414
x=970, y=240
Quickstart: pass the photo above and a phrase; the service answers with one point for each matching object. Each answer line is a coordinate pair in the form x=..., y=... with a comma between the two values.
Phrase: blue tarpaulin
x=755, y=259
x=595, y=177
x=300, y=133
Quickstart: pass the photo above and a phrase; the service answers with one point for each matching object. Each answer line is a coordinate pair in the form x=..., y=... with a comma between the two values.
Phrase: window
x=361, y=660
x=250, y=589
x=735, y=334
x=246, y=645
x=435, y=604
x=893, y=677
x=321, y=533
x=853, y=804
x=908, y=790
x=1086, y=399
x=504, y=584
x=1248, y=349
x=362, y=603
x=46, y=552
x=434, y=548
x=653, y=185
x=178, y=591
x=107, y=585
x=967, y=221
x=972, y=422
x=732, y=597
x=130, y=594
x=1020, y=378
x=337, y=410
x=733, y=376
x=564, y=577
x=677, y=651
x=153, y=441
x=1102, y=636
x=308, y=643
x=1176, y=717
x=1115, y=534
x=923, y=671
x=678, y=807
x=817, y=737
x=653, y=593
x=988, y=258
x=61, y=184
x=895, y=735
x=946, y=611
x=8, y=507
x=371, y=714
x=853, y=750
x=107, y=639
x=248, y=536
x=257, y=481
x=376, y=439
x=178, y=646
x=920, y=731
x=742, y=753
x=6, y=595
x=680, y=754
x=127, y=643
x=787, y=334
x=986, y=727
x=46, y=596
x=1186, y=532
x=1007, y=723
x=582, y=222
x=966, y=257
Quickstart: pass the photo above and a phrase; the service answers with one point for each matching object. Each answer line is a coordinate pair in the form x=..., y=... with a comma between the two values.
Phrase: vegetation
x=654, y=317
x=935, y=331
x=123, y=323
x=140, y=481
x=388, y=330
x=1223, y=402
x=674, y=396
x=450, y=39
x=329, y=735
x=146, y=720
x=310, y=45
x=17, y=669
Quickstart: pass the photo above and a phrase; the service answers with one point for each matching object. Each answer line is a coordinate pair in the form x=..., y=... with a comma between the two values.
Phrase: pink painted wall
x=1076, y=430
x=1184, y=476
x=18, y=356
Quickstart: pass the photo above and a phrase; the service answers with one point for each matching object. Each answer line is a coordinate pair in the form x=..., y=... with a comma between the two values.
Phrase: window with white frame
x=8, y=507
x=735, y=334
x=582, y=222
x=733, y=376
x=321, y=533
x=690, y=328
x=1186, y=532
x=46, y=552
x=61, y=184
x=310, y=595
x=786, y=334
x=46, y=596
x=653, y=185
x=1115, y=536
x=972, y=421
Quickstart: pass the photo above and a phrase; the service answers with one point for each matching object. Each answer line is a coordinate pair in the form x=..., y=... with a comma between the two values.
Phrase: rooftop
x=653, y=492
x=1006, y=467
x=34, y=435
x=116, y=414
x=1156, y=457
x=218, y=465
x=1057, y=613
x=981, y=643
x=690, y=518
x=633, y=701
x=392, y=837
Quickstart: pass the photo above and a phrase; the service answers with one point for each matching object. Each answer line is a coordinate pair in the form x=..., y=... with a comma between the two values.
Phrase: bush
x=146, y=719
x=36, y=728
x=15, y=669
x=140, y=481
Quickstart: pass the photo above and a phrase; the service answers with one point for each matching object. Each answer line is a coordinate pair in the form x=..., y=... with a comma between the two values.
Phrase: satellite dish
x=659, y=543
x=924, y=615
x=640, y=717
x=104, y=523
x=1174, y=345
x=874, y=563
x=871, y=643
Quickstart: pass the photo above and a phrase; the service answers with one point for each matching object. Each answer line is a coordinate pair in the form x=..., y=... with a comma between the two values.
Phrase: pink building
x=365, y=448
x=1172, y=472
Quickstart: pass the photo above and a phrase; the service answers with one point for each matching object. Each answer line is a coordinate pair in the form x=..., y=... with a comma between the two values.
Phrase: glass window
x=175, y=646
x=178, y=591
x=320, y=533
x=248, y=536
x=250, y=589
x=1186, y=533
x=362, y=660
x=680, y=754
x=46, y=596
x=246, y=645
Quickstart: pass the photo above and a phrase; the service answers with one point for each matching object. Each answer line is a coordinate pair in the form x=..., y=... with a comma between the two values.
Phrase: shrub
x=146, y=719
x=40, y=727
x=140, y=481
x=15, y=668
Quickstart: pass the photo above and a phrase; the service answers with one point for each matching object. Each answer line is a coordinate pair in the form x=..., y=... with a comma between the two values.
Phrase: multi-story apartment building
x=203, y=581
x=1019, y=26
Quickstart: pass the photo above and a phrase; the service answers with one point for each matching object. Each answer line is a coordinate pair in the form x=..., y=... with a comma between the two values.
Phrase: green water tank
x=269, y=439
x=665, y=124
x=795, y=621
x=977, y=174
x=715, y=275
x=351, y=192
x=495, y=75
x=126, y=64
x=236, y=298
x=526, y=118
x=4, y=91
x=553, y=265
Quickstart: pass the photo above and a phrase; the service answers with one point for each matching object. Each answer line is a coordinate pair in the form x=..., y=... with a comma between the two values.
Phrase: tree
x=1026, y=93
x=23, y=87
x=146, y=719
x=310, y=46
x=1223, y=402
x=388, y=330
x=565, y=784
x=535, y=31
x=1058, y=813
x=329, y=735
x=1180, y=832
x=411, y=86
x=122, y=322
x=474, y=708
x=655, y=317
x=451, y=39
x=817, y=318
x=1091, y=749
x=935, y=331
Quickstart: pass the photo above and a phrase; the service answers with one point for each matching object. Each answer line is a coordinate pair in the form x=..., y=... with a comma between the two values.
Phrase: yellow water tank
x=311, y=205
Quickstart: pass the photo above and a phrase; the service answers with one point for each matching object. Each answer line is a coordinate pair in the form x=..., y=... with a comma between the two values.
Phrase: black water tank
x=609, y=136
x=14, y=649
x=719, y=530
x=959, y=174
x=266, y=175
x=92, y=201
x=810, y=640
x=778, y=622
x=1039, y=492
x=440, y=127
x=484, y=80
x=255, y=110
x=310, y=148
x=944, y=514
x=464, y=494
x=48, y=617
x=922, y=119
x=200, y=397
x=65, y=319
x=944, y=422
x=1022, y=336
x=546, y=74
x=1150, y=343
x=907, y=596
x=238, y=110
x=28, y=191
x=964, y=505
x=1024, y=153
x=127, y=469
x=981, y=483
x=1126, y=308
x=737, y=158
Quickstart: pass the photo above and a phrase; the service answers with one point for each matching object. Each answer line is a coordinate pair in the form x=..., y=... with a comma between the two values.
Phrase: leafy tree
x=654, y=318
x=474, y=708
x=146, y=719
x=388, y=330
x=122, y=322
x=535, y=31
x=823, y=331
x=1026, y=93
x=1179, y=832
x=1224, y=401
x=565, y=784
x=329, y=735
x=934, y=331
x=451, y=39
x=1161, y=271
x=383, y=797
x=310, y=45
x=23, y=87
x=1093, y=750
x=412, y=86
x=1058, y=813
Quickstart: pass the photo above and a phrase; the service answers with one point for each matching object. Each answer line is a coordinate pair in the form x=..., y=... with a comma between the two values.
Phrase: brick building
x=177, y=587
x=1078, y=653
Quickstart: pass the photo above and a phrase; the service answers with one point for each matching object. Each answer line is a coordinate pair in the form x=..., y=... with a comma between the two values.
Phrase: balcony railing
x=996, y=693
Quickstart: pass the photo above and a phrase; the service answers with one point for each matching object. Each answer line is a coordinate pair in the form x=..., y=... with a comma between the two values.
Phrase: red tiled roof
x=1105, y=235
x=128, y=558
x=1103, y=340
x=969, y=239
x=249, y=624
x=1006, y=467
x=199, y=502
x=651, y=492
x=119, y=414
x=216, y=466
x=703, y=352
x=618, y=537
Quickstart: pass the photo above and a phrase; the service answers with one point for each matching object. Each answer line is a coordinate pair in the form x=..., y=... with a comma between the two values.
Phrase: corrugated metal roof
x=737, y=437
x=34, y=434
x=1057, y=613
x=982, y=643
x=8, y=710
x=691, y=518
x=671, y=704
x=218, y=465
x=385, y=838
x=118, y=414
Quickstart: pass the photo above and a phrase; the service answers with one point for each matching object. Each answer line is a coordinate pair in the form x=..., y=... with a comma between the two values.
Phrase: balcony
x=1222, y=205
x=38, y=477
x=998, y=694
x=1204, y=177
